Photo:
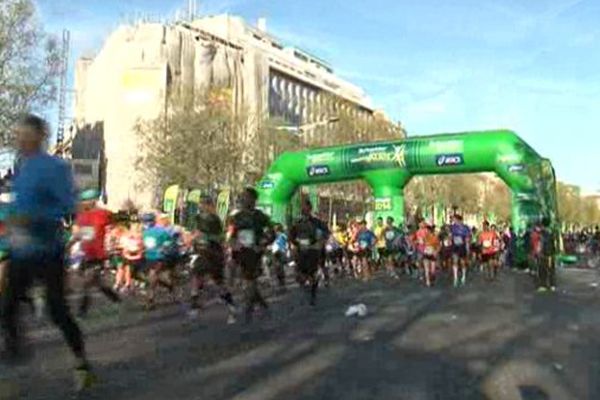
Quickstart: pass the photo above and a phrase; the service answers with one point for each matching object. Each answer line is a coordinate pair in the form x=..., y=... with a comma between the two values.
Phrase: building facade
x=130, y=78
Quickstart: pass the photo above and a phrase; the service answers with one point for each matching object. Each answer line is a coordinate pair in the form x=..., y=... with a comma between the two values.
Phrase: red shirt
x=92, y=227
x=536, y=243
x=490, y=242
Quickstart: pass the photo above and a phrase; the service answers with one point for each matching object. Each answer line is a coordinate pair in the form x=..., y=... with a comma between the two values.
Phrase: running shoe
x=542, y=289
x=231, y=319
x=84, y=379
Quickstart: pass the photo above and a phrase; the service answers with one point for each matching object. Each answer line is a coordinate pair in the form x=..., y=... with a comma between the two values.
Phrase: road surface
x=495, y=340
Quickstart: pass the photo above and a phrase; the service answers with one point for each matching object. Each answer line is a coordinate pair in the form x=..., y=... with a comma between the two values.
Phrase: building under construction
x=131, y=75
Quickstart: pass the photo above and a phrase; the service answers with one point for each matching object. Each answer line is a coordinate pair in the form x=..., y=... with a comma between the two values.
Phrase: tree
x=29, y=63
x=195, y=143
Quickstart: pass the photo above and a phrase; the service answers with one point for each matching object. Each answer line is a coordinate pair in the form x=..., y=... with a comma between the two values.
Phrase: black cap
x=252, y=192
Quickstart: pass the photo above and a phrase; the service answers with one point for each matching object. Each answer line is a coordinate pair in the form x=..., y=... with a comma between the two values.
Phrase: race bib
x=447, y=243
x=328, y=248
x=390, y=235
x=429, y=250
x=201, y=240
x=87, y=233
x=246, y=238
x=487, y=244
x=150, y=243
x=458, y=240
x=420, y=241
x=304, y=242
x=133, y=247
x=363, y=244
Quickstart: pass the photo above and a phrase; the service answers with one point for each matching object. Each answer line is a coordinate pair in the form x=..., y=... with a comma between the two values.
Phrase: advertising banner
x=170, y=201
x=223, y=203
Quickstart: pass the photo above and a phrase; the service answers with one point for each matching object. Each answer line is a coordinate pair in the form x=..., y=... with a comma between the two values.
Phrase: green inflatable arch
x=388, y=166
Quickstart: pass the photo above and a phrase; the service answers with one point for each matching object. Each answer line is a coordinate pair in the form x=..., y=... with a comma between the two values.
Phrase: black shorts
x=87, y=265
x=363, y=253
x=335, y=255
x=459, y=251
x=385, y=252
x=429, y=257
x=489, y=257
x=136, y=266
x=446, y=253
x=307, y=261
x=211, y=262
x=249, y=261
x=156, y=265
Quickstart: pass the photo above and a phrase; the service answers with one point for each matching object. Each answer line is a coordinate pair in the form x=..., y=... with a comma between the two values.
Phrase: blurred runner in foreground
x=45, y=195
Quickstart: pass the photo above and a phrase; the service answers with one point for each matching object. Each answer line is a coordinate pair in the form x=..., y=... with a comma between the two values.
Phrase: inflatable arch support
x=388, y=166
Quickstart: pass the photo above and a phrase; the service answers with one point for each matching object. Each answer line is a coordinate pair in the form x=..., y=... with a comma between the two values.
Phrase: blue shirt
x=44, y=194
x=281, y=242
x=367, y=238
x=156, y=243
x=460, y=234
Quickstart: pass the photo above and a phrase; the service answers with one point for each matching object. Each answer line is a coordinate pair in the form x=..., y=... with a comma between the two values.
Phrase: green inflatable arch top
x=388, y=166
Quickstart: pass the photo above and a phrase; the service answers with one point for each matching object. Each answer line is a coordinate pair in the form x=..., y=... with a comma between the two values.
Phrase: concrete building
x=131, y=75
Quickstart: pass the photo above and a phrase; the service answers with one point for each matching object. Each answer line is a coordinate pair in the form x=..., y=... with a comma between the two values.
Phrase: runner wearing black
x=210, y=257
x=250, y=233
x=308, y=235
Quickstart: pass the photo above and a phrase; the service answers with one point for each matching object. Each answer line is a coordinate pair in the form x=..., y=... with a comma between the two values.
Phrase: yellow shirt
x=341, y=238
x=379, y=234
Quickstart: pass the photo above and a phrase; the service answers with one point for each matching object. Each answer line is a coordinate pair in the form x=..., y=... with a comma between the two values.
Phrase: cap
x=206, y=199
x=89, y=195
x=148, y=217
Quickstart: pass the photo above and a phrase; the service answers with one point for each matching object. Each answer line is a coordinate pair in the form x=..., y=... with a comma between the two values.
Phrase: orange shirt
x=490, y=242
x=420, y=236
x=431, y=244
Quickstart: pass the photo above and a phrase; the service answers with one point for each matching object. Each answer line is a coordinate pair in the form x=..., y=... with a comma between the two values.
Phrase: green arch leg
x=389, y=202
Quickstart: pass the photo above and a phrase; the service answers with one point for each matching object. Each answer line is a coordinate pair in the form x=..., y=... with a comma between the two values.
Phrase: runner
x=379, y=232
x=91, y=227
x=308, y=235
x=364, y=246
x=411, y=250
x=543, y=250
x=430, y=255
x=460, y=250
x=132, y=243
x=115, y=255
x=489, y=242
x=280, y=255
x=323, y=234
x=250, y=233
x=334, y=251
x=446, y=250
x=156, y=243
x=475, y=250
x=394, y=247
x=341, y=237
x=210, y=261
x=419, y=240
x=44, y=191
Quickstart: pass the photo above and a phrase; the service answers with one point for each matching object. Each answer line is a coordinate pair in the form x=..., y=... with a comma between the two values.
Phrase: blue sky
x=437, y=65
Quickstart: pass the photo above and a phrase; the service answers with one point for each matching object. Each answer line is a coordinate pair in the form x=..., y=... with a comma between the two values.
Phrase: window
x=83, y=169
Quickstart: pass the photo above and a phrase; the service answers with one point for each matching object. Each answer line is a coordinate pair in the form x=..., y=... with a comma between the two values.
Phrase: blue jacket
x=44, y=194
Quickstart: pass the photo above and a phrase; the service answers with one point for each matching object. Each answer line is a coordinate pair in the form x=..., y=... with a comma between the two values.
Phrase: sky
x=435, y=65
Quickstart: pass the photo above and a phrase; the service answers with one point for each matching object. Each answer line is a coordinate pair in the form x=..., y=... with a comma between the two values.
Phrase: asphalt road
x=495, y=340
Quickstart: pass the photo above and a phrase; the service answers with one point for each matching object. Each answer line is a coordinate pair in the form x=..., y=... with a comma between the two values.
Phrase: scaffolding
x=62, y=96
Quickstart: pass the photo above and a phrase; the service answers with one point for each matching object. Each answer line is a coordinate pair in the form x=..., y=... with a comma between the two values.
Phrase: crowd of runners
x=146, y=256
